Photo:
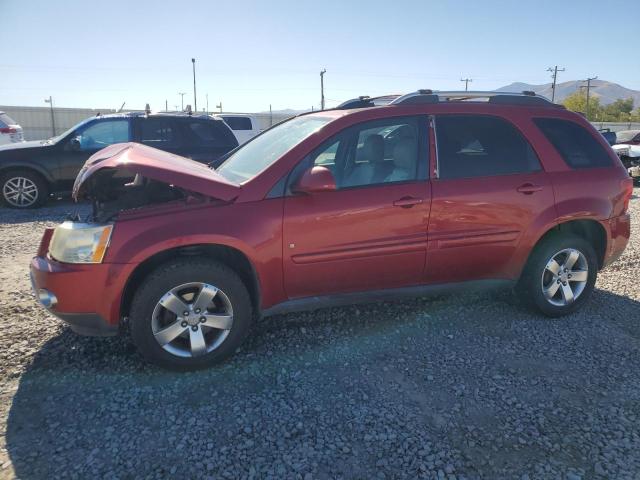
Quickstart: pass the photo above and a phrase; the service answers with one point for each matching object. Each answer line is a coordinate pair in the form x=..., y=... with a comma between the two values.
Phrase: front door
x=370, y=233
x=87, y=140
x=489, y=191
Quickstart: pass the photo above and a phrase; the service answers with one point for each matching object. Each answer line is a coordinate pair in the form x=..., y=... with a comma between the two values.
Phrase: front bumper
x=73, y=293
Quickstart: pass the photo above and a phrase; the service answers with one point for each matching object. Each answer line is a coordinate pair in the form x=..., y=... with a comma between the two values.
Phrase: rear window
x=238, y=123
x=574, y=143
x=6, y=120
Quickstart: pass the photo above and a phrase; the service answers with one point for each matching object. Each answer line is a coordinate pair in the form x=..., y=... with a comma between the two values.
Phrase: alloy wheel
x=192, y=319
x=20, y=192
x=565, y=277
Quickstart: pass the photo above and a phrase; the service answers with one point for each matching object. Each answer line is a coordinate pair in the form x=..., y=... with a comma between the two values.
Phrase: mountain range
x=608, y=92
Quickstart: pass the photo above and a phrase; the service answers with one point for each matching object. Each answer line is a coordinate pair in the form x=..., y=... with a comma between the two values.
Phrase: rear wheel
x=190, y=314
x=560, y=275
x=23, y=189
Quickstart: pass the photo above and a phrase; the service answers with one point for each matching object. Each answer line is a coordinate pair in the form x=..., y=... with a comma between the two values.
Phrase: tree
x=577, y=102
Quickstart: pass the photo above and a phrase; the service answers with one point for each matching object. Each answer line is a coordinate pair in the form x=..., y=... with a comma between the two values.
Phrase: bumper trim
x=87, y=324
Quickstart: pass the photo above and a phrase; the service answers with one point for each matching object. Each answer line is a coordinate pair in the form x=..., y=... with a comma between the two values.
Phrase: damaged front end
x=130, y=176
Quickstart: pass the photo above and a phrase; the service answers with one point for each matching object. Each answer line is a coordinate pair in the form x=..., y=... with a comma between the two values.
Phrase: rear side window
x=574, y=143
x=158, y=132
x=211, y=133
x=238, y=123
x=481, y=146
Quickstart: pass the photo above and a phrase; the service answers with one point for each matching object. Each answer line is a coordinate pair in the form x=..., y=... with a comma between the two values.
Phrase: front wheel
x=560, y=275
x=23, y=189
x=190, y=313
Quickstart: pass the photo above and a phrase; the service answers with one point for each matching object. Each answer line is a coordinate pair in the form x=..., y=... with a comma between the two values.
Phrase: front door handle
x=528, y=188
x=407, y=202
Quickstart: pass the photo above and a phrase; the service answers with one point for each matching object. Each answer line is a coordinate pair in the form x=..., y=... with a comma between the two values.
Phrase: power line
x=555, y=71
x=466, y=83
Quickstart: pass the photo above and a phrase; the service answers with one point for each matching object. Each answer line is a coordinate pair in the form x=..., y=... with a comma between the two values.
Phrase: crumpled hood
x=134, y=158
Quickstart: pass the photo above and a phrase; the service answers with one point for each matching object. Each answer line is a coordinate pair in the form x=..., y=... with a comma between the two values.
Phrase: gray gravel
x=448, y=388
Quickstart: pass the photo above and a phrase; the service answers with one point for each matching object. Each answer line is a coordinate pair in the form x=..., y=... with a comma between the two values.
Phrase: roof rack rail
x=504, y=98
x=365, y=101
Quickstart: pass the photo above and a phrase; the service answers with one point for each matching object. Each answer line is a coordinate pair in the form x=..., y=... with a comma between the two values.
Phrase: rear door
x=371, y=232
x=490, y=187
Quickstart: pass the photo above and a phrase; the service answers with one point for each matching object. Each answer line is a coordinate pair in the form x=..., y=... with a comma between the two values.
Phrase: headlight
x=80, y=242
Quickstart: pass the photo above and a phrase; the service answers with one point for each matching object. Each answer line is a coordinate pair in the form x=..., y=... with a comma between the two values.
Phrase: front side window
x=374, y=153
x=265, y=149
x=101, y=134
x=574, y=143
x=481, y=146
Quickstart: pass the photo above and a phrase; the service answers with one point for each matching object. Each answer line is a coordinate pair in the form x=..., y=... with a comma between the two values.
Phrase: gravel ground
x=454, y=387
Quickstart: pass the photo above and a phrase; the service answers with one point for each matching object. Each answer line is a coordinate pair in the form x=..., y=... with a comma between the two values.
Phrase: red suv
x=432, y=191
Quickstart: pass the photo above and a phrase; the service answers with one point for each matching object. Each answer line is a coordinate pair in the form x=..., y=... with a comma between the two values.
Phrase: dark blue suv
x=31, y=171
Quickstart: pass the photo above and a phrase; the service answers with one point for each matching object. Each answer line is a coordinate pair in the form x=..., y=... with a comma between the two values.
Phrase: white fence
x=37, y=122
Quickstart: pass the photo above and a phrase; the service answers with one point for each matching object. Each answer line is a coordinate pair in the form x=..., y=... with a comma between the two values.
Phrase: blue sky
x=251, y=54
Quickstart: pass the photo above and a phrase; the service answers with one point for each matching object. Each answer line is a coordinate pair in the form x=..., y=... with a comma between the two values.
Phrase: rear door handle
x=407, y=202
x=528, y=188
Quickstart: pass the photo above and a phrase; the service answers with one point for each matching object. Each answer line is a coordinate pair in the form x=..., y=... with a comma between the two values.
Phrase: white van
x=243, y=126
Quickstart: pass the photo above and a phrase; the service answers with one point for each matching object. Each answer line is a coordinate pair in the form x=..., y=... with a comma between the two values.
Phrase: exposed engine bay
x=112, y=191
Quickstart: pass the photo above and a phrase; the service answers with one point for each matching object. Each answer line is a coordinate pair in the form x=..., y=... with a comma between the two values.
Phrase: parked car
x=30, y=171
x=630, y=158
x=609, y=135
x=628, y=137
x=512, y=191
x=10, y=131
x=243, y=126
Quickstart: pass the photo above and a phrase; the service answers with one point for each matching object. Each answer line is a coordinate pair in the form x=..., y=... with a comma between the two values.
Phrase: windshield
x=626, y=136
x=6, y=120
x=62, y=135
x=265, y=149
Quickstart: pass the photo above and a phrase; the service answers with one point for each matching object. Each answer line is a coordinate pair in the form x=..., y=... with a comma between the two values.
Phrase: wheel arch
x=8, y=167
x=587, y=228
x=229, y=256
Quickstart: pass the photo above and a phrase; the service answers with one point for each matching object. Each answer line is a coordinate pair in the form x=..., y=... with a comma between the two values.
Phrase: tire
x=189, y=279
x=536, y=276
x=23, y=189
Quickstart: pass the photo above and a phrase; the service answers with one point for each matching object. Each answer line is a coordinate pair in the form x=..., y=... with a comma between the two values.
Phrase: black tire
x=36, y=180
x=179, y=272
x=529, y=287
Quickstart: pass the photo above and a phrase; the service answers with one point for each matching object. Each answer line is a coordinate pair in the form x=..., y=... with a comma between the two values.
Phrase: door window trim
x=517, y=128
x=424, y=153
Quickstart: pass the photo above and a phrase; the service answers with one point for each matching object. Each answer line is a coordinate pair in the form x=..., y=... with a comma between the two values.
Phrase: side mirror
x=74, y=144
x=316, y=179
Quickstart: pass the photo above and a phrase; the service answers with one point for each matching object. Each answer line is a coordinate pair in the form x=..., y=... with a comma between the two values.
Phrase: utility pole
x=166, y=105
x=270, y=116
x=182, y=94
x=555, y=71
x=219, y=106
x=588, y=80
x=195, y=100
x=207, y=97
x=322, y=72
x=53, y=119
x=466, y=83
